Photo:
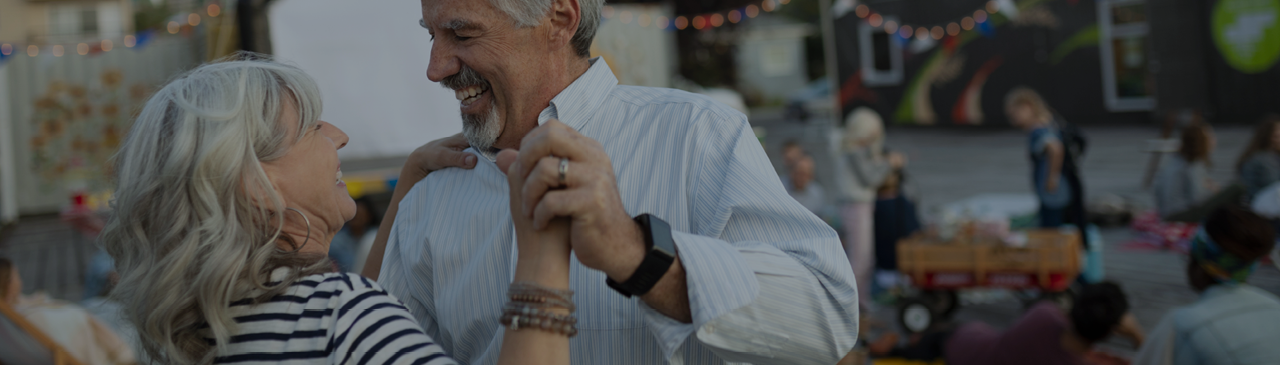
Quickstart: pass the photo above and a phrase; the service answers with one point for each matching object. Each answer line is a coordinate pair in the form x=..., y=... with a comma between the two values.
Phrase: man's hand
x=603, y=236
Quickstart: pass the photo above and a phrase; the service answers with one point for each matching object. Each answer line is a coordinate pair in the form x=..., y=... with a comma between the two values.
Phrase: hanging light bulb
x=891, y=27
x=682, y=22
x=82, y=49
x=874, y=20
x=735, y=16
x=966, y=23
x=953, y=29
x=752, y=11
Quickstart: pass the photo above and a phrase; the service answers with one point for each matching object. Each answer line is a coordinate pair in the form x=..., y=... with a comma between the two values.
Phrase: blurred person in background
x=1232, y=323
x=803, y=188
x=84, y=336
x=350, y=246
x=670, y=194
x=862, y=167
x=1183, y=190
x=1028, y=111
x=791, y=153
x=895, y=219
x=1259, y=165
x=229, y=193
x=1046, y=334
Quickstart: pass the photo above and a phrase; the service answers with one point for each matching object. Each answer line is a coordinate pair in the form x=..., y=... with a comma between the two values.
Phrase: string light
x=862, y=11
x=682, y=22
x=891, y=27
x=6, y=49
x=784, y=2
x=752, y=11
x=699, y=22
x=33, y=51
x=57, y=50
x=966, y=23
x=644, y=19
x=214, y=10
x=106, y=45
x=980, y=16
x=193, y=19
x=82, y=49
x=173, y=27
x=625, y=17
x=937, y=32
x=906, y=31
x=992, y=7
x=717, y=20
x=767, y=5
x=953, y=29
x=130, y=41
x=874, y=20
x=607, y=12
x=735, y=16
x=663, y=22
x=922, y=33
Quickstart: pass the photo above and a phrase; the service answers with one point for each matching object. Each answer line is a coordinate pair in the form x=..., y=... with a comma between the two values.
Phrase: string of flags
x=697, y=22
x=180, y=23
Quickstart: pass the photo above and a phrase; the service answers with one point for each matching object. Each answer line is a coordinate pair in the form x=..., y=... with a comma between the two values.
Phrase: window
x=880, y=55
x=88, y=20
x=1126, y=75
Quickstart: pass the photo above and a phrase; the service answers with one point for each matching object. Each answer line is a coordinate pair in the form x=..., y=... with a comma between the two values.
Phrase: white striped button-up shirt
x=767, y=280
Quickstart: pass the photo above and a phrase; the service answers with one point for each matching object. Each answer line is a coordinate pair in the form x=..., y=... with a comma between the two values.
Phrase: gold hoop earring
x=304, y=219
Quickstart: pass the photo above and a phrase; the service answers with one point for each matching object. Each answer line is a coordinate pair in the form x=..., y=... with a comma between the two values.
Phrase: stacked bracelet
x=530, y=307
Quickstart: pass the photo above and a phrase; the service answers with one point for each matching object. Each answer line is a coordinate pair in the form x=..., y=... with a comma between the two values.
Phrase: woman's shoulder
x=337, y=282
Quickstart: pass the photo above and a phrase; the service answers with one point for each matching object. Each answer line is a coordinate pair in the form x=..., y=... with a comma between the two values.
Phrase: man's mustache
x=465, y=77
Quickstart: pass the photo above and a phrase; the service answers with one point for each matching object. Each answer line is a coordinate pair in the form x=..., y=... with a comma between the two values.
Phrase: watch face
x=662, y=240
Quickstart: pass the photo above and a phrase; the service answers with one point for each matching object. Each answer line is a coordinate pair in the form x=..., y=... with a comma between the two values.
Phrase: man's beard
x=481, y=130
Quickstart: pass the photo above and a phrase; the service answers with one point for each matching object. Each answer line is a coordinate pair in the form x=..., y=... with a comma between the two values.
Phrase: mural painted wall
x=960, y=58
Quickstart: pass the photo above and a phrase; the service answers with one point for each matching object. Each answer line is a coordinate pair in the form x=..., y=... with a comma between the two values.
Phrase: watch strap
x=656, y=262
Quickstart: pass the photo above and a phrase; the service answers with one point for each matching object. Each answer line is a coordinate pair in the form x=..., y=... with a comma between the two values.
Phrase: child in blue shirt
x=1028, y=111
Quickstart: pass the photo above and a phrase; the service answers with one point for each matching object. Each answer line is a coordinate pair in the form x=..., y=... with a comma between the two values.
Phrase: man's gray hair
x=528, y=13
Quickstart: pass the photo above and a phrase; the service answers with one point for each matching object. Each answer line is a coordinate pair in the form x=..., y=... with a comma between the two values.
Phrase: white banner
x=370, y=59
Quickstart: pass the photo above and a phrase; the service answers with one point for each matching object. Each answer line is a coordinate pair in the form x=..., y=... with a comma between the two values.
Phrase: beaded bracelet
x=517, y=316
x=529, y=308
x=540, y=296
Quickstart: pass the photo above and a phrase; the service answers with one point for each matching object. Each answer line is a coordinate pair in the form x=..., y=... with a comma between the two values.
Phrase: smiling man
x=718, y=265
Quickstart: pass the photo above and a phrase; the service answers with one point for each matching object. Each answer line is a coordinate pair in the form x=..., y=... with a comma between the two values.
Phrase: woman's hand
x=437, y=154
x=543, y=255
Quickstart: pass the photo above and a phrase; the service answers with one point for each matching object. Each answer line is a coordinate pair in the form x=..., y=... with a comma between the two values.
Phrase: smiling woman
x=230, y=191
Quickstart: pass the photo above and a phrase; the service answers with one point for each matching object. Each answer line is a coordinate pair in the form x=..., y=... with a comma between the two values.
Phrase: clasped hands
x=579, y=210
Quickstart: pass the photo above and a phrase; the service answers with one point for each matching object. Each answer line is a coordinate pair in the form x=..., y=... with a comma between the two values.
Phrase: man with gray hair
x=719, y=264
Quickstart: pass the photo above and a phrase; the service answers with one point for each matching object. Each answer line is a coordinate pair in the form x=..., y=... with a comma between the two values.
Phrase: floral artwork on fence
x=78, y=128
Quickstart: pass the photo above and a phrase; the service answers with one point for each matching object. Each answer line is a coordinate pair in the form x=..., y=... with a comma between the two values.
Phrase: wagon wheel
x=943, y=302
x=916, y=315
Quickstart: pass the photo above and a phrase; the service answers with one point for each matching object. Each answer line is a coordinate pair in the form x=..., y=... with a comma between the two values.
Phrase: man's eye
x=460, y=38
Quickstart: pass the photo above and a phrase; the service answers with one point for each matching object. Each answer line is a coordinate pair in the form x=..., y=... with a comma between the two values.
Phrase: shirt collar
x=575, y=105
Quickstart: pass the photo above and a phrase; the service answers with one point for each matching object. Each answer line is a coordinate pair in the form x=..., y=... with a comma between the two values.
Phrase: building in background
x=64, y=22
x=771, y=58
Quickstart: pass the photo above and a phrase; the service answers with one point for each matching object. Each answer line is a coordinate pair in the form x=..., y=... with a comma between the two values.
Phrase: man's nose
x=443, y=62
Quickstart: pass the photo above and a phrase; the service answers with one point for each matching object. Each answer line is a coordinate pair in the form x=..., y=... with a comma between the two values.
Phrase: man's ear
x=565, y=15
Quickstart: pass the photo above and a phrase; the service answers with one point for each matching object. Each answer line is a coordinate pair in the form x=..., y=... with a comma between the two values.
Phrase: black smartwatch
x=661, y=254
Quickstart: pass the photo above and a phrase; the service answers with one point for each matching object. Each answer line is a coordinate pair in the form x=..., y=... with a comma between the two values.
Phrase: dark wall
x=1187, y=71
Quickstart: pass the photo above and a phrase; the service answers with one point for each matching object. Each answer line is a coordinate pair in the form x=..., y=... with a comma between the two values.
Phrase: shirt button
x=711, y=329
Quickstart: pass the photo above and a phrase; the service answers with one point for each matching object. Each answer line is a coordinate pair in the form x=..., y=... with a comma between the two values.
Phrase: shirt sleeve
x=768, y=281
x=405, y=265
x=1157, y=349
x=869, y=171
x=374, y=328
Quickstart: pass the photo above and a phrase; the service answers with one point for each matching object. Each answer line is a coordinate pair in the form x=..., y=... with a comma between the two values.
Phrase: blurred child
x=1028, y=111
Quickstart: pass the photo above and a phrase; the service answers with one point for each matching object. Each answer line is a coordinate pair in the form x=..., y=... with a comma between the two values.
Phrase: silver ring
x=564, y=170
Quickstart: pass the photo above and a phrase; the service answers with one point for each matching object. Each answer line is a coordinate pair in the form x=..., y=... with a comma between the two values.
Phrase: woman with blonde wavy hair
x=862, y=167
x=229, y=192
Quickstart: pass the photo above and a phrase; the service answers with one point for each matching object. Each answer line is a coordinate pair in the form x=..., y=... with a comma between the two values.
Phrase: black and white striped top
x=334, y=318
